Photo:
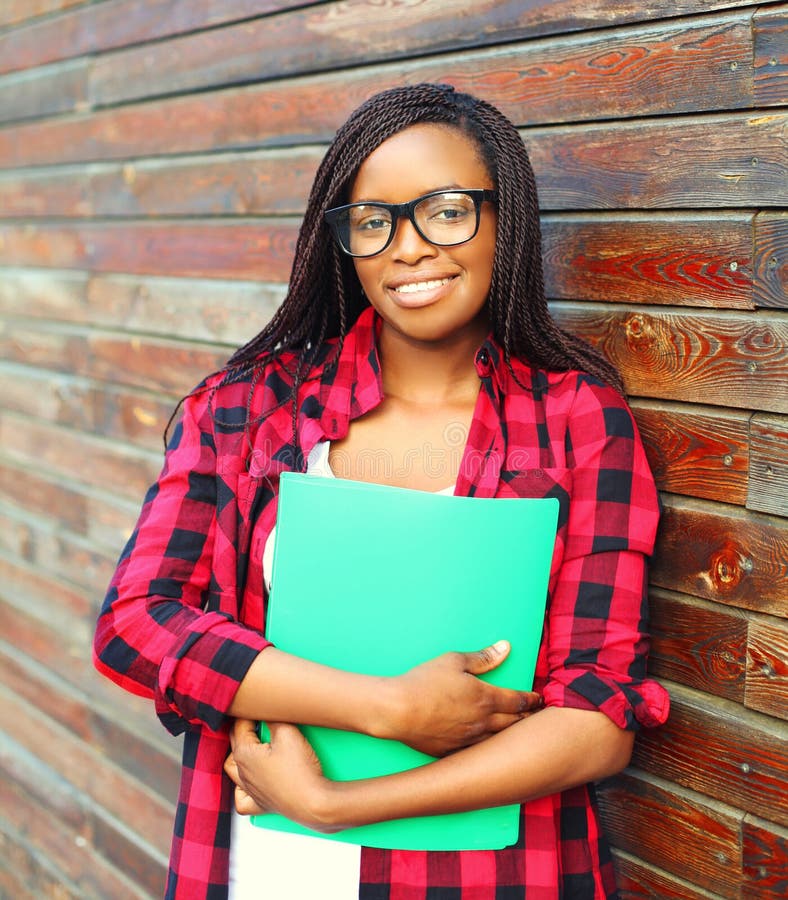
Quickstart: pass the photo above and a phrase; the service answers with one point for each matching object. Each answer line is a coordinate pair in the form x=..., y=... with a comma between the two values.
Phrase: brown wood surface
x=695, y=450
x=717, y=357
x=705, y=162
x=722, y=554
x=713, y=746
x=767, y=666
x=770, y=24
x=768, y=472
x=285, y=46
x=46, y=92
x=683, y=833
x=698, y=644
x=594, y=77
x=698, y=163
x=14, y=12
x=676, y=259
x=426, y=26
x=770, y=262
x=117, y=24
x=765, y=853
x=637, y=881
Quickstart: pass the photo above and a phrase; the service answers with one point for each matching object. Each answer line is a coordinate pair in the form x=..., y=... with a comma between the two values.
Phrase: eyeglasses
x=444, y=218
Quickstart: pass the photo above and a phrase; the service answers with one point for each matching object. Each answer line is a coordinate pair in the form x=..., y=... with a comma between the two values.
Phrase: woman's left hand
x=281, y=776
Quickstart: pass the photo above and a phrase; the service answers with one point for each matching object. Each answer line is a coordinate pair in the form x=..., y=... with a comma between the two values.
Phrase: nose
x=408, y=245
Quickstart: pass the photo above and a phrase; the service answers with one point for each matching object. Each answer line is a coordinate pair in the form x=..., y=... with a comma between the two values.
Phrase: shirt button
x=483, y=362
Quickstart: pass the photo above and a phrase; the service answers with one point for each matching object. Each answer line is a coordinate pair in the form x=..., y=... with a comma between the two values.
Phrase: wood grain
x=770, y=262
x=667, y=817
x=705, y=162
x=765, y=852
x=770, y=25
x=44, y=92
x=680, y=259
x=637, y=881
x=14, y=12
x=768, y=469
x=767, y=666
x=699, y=163
x=721, y=358
x=722, y=554
x=612, y=76
x=720, y=750
x=698, y=644
x=695, y=450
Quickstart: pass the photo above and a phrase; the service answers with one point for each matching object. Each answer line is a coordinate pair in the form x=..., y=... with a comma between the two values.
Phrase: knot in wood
x=727, y=568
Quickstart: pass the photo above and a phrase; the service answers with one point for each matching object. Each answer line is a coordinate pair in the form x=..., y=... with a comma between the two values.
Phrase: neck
x=431, y=372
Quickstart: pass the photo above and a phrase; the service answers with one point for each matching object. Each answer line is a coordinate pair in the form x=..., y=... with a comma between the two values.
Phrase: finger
x=243, y=730
x=487, y=658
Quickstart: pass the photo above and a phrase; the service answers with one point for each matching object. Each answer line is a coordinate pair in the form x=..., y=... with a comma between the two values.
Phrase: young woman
x=415, y=313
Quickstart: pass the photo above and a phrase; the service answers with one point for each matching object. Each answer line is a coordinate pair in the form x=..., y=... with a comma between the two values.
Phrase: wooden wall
x=154, y=161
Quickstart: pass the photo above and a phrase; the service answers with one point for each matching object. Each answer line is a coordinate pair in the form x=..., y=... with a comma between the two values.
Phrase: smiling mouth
x=416, y=286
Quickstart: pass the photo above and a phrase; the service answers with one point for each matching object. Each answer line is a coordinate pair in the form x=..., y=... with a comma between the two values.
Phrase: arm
x=160, y=633
x=549, y=751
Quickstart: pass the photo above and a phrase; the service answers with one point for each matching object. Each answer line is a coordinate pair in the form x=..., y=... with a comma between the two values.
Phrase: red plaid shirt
x=184, y=615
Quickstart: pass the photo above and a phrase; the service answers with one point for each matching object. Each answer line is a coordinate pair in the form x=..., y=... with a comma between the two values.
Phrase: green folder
x=377, y=579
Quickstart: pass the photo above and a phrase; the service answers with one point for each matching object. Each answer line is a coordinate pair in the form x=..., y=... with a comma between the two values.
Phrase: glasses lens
x=447, y=218
x=364, y=229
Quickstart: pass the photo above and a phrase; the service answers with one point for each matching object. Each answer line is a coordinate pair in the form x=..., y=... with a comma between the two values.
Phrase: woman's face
x=424, y=292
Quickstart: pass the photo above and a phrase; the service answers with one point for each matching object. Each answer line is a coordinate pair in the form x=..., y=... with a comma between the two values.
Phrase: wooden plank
x=723, y=554
x=53, y=600
x=696, y=450
x=667, y=259
x=14, y=12
x=705, y=162
x=66, y=845
x=767, y=667
x=698, y=644
x=130, y=416
x=680, y=259
x=765, y=851
x=639, y=881
x=650, y=818
x=63, y=452
x=87, y=772
x=770, y=28
x=768, y=470
x=163, y=366
x=639, y=72
x=286, y=46
x=770, y=260
x=118, y=24
x=381, y=30
x=241, y=249
x=721, y=750
x=721, y=358
x=144, y=752
x=25, y=873
x=48, y=91
x=56, y=552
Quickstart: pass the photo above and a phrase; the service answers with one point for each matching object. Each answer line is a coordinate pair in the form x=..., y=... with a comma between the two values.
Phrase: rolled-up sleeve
x=158, y=634
x=597, y=624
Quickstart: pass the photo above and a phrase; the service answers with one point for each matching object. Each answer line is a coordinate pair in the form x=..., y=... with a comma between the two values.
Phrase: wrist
x=388, y=709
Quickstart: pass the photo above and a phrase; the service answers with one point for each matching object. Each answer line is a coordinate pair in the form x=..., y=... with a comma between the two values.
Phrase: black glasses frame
x=397, y=210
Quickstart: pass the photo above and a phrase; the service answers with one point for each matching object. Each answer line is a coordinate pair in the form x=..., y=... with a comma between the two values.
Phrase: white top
x=275, y=865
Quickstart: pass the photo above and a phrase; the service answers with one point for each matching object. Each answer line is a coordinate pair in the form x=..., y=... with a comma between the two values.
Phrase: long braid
x=324, y=296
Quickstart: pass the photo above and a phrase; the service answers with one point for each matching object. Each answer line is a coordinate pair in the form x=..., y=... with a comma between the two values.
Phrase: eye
x=366, y=219
x=448, y=209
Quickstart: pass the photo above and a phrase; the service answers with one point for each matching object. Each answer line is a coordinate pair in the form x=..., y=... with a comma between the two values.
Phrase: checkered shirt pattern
x=184, y=614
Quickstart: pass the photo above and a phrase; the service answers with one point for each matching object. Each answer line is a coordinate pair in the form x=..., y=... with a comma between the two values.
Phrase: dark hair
x=324, y=297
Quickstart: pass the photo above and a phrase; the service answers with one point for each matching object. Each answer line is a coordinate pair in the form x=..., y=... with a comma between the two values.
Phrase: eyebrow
x=447, y=187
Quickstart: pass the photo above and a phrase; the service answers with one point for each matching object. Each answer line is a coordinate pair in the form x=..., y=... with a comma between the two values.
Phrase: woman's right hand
x=441, y=705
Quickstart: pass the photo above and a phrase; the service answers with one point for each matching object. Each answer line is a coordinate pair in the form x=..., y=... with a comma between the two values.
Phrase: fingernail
x=501, y=646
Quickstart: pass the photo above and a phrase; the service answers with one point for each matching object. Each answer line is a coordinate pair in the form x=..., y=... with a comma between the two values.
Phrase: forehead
x=417, y=160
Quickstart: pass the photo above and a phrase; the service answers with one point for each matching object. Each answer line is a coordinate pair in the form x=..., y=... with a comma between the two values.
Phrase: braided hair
x=324, y=296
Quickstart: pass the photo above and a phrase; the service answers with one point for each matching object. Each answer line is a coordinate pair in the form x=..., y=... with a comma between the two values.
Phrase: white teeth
x=421, y=286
